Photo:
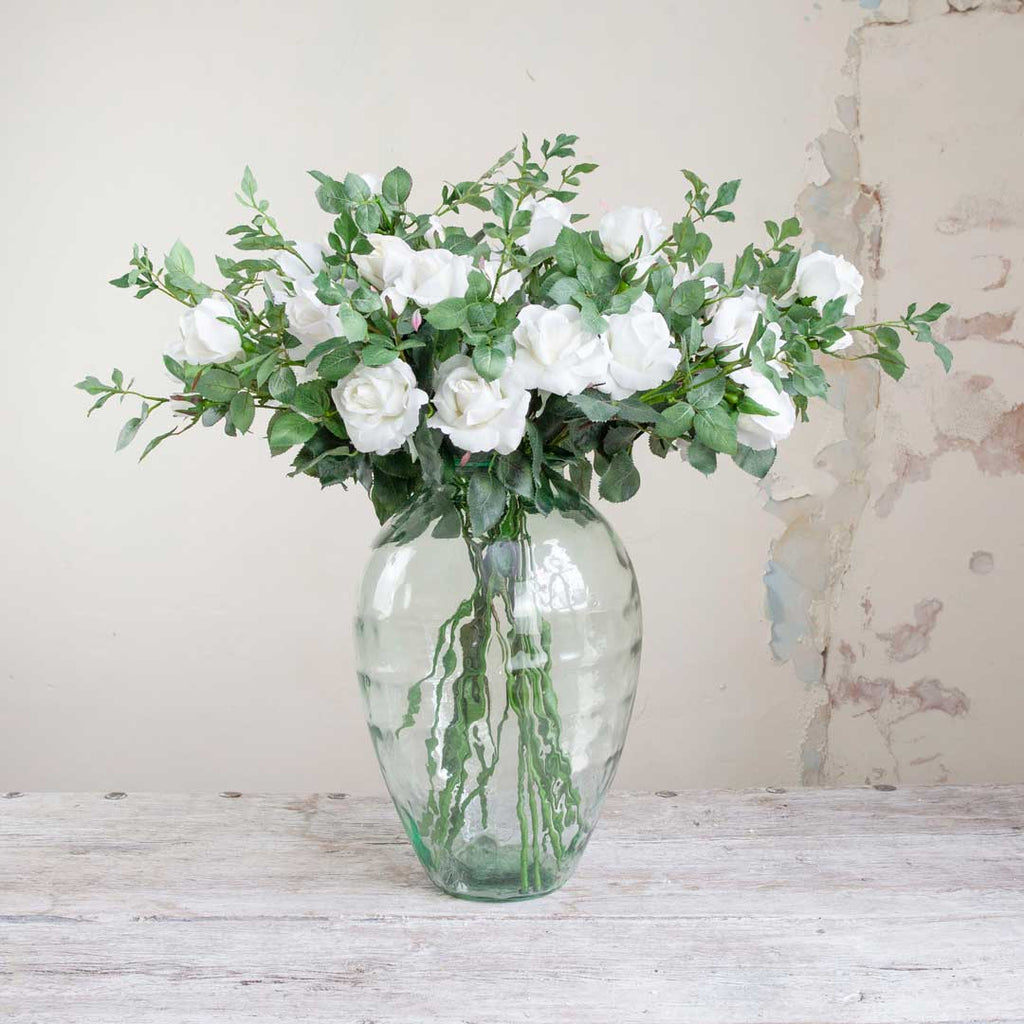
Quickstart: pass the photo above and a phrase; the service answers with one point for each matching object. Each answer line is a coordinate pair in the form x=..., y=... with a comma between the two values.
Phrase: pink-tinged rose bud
x=417, y=320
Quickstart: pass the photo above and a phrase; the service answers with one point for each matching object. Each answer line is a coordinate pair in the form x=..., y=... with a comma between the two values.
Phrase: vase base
x=485, y=872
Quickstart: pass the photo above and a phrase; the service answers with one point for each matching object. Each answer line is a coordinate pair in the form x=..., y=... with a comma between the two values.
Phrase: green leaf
x=708, y=395
x=489, y=361
x=486, y=500
x=621, y=480
x=515, y=473
x=153, y=442
x=378, y=355
x=427, y=443
x=754, y=461
x=287, y=429
x=367, y=218
x=92, y=386
x=600, y=410
x=701, y=458
x=248, y=183
x=282, y=384
x=448, y=314
x=716, y=429
x=675, y=421
x=336, y=365
x=891, y=359
x=242, y=411
x=310, y=398
x=128, y=432
x=356, y=189
x=352, y=324
x=179, y=260
x=218, y=385
x=396, y=186
x=688, y=298
x=933, y=313
x=746, y=268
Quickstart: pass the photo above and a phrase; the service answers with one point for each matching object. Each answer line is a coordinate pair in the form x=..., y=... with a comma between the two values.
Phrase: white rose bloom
x=825, y=277
x=373, y=181
x=735, y=319
x=840, y=343
x=622, y=229
x=555, y=353
x=380, y=406
x=298, y=271
x=711, y=286
x=479, y=415
x=641, y=351
x=310, y=320
x=550, y=215
x=763, y=431
x=202, y=338
x=508, y=284
x=385, y=263
x=428, y=277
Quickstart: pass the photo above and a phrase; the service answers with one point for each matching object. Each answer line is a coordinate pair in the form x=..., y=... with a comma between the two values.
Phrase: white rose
x=555, y=353
x=641, y=351
x=824, y=277
x=735, y=319
x=385, y=263
x=203, y=338
x=756, y=431
x=840, y=343
x=508, y=284
x=622, y=229
x=310, y=320
x=428, y=277
x=298, y=271
x=373, y=182
x=683, y=273
x=549, y=216
x=380, y=406
x=479, y=415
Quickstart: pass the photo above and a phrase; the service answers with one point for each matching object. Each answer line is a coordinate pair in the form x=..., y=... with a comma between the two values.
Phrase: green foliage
x=287, y=386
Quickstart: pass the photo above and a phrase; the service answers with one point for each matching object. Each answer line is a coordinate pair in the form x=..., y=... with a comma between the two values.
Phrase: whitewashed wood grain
x=815, y=905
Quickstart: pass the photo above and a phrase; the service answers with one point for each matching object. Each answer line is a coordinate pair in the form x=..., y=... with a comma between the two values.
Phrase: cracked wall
x=919, y=527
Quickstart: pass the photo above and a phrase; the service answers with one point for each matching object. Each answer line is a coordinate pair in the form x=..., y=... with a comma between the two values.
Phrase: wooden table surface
x=811, y=905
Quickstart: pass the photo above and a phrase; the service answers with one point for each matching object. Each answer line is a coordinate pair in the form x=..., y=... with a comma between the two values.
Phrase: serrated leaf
x=600, y=410
x=378, y=355
x=701, y=458
x=289, y=428
x=489, y=362
x=396, y=186
x=716, y=429
x=486, y=501
x=675, y=421
x=216, y=385
x=621, y=480
x=281, y=384
x=754, y=461
x=448, y=314
x=707, y=395
x=242, y=411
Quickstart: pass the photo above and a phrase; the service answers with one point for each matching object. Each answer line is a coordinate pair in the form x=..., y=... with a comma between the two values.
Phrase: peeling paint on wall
x=865, y=720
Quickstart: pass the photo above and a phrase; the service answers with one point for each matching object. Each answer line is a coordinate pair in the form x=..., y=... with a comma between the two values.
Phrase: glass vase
x=498, y=676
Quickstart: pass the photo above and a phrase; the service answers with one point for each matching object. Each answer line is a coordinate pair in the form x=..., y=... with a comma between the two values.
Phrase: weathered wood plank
x=815, y=905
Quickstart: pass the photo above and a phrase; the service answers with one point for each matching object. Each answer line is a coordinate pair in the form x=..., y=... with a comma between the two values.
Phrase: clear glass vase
x=498, y=676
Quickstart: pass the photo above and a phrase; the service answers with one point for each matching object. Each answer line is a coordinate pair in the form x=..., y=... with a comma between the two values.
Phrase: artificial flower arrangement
x=473, y=381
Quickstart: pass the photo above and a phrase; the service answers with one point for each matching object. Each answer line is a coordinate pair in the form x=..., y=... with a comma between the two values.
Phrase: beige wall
x=184, y=624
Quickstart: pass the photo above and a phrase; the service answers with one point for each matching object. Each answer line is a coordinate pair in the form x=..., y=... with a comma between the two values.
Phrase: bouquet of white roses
x=473, y=380
x=509, y=361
